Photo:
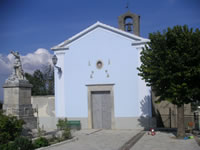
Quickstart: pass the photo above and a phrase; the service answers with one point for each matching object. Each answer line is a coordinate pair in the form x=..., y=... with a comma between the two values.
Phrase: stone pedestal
x=17, y=101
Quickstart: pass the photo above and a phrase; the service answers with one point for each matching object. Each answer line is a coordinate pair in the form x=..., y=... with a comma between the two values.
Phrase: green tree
x=171, y=66
x=38, y=82
x=48, y=73
x=42, y=81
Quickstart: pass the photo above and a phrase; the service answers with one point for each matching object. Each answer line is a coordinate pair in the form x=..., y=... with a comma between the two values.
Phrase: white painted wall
x=99, y=44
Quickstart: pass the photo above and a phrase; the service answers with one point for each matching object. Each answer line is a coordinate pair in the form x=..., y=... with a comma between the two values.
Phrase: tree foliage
x=23, y=143
x=10, y=128
x=42, y=81
x=171, y=65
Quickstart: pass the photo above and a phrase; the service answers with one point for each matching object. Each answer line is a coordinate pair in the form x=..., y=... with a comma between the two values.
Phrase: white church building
x=96, y=77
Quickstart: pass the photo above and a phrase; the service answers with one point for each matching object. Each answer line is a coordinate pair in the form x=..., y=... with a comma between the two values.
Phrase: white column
x=59, y=85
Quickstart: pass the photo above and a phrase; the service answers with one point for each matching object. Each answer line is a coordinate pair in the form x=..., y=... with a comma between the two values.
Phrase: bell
x=129, y=28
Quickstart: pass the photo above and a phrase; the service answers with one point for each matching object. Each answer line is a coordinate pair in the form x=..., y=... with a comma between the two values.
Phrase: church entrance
x=101, y=110
x=100, y=106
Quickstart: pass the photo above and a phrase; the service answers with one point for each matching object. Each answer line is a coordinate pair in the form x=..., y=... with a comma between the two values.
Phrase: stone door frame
x=97, y=88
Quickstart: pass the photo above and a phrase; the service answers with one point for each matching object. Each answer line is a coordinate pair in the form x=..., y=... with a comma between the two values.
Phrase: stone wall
x=45, y=111
x=166, y=113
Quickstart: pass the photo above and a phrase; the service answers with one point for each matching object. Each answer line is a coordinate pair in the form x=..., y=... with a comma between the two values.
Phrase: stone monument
x=17, y=95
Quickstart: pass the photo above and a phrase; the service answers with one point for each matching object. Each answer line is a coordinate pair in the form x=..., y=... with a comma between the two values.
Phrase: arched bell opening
x=128, y=24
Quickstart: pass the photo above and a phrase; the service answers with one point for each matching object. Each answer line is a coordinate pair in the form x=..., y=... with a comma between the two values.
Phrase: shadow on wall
x=157, y=115
x=146, y=120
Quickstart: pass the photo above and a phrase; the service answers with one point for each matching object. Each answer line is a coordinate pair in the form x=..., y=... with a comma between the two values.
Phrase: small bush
x=23, y=143
x=20, y=143
x=8, y=146
x=62, y=124
x=53, y=140
x=66, y=134
x=41, y=142
x=10, y=128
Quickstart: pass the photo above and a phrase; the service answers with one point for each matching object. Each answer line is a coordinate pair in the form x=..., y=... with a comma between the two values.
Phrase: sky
x=32, y=27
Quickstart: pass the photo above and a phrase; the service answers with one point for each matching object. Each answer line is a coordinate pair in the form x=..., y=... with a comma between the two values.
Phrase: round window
x=99, y=64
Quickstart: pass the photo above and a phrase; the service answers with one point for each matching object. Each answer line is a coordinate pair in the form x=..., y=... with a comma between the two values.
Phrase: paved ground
x=164, y=141
x=101, y=140
x=115, y=139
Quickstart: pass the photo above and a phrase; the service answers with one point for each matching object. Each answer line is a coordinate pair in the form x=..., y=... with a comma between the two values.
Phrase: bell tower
x=129, y=22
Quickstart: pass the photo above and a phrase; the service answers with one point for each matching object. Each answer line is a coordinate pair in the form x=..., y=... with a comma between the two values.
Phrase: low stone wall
x=45, y=105
x=45, y=111
x=166, y=113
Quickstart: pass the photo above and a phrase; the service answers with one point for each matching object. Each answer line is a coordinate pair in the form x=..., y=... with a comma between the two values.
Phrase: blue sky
x=29, y=25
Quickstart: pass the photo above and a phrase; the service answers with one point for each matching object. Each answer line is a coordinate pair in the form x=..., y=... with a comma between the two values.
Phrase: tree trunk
x=180, y=122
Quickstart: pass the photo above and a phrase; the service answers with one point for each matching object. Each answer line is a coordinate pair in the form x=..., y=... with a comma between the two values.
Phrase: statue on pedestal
x=17, y=95
x=18, y=73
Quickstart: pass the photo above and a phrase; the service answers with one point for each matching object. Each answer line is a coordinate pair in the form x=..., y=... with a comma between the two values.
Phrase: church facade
x=96, y=77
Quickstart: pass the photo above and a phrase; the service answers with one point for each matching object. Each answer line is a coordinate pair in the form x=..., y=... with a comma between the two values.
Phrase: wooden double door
x=101, y=109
